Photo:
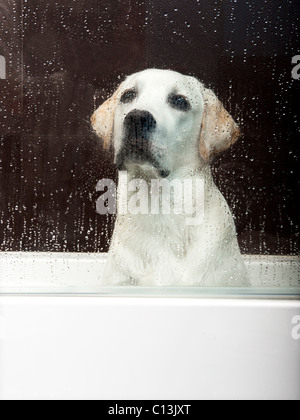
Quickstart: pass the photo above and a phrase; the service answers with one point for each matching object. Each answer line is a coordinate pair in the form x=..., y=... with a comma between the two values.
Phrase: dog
x=164, y=126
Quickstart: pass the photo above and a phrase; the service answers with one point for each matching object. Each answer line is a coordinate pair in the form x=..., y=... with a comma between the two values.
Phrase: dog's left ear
x=103, y=120
x=219, y=131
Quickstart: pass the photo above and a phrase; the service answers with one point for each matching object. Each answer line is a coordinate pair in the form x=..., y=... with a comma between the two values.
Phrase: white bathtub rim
x=78, y=274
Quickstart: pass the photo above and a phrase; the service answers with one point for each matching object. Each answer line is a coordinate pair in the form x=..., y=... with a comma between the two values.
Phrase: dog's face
x=161, y=120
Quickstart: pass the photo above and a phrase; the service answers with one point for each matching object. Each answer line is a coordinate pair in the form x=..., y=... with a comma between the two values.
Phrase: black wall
x=64, y=59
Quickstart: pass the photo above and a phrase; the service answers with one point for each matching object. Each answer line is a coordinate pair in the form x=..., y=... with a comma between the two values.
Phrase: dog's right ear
x=103, y=119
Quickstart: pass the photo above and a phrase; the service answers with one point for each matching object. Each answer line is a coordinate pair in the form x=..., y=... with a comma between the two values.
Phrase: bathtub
x=62, y=336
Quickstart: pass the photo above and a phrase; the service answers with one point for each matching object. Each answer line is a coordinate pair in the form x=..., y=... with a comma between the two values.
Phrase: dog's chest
x=149, y=235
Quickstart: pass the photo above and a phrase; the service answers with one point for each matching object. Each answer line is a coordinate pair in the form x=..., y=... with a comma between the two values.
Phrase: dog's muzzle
x=137, y=145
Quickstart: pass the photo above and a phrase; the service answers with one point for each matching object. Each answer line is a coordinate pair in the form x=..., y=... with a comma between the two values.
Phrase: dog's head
x=162, y=120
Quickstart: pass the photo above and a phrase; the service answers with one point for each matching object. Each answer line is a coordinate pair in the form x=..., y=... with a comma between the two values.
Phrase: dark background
x=64, y=58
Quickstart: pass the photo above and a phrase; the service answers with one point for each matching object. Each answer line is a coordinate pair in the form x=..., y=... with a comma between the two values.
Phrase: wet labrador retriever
x=164, y=129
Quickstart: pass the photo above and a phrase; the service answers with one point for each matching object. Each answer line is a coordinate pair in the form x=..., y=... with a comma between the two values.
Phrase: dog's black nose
x=139, y=124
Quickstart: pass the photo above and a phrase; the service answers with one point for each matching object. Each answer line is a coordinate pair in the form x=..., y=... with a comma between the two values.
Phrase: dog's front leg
x=218, y=265
x=113, y=274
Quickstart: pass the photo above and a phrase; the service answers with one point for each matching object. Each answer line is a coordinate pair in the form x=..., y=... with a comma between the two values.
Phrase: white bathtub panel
x=114, y=348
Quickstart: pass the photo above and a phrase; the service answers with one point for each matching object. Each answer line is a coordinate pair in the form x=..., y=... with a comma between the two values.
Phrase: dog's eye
x=129, y=96
x=179, y=102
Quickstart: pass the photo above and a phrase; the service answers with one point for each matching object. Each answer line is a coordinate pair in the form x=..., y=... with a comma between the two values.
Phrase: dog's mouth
x=140, y=153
